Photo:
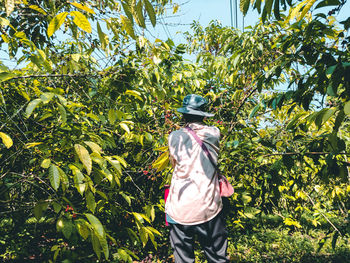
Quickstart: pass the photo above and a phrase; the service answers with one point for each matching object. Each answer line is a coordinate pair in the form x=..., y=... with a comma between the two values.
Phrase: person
x=194, y=205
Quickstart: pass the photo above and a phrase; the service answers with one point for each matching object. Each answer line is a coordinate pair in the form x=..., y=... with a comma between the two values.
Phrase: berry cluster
x=70, y=209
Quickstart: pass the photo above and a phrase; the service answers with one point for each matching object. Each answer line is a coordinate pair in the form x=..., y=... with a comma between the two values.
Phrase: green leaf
x=94, y=146
x=267, y=8
x=330, y=70
x=162, y=162
x=328, y=3
x=307, y=7
x=31, y=106
x=112, y=116
x=4, y=22
x=79, y=179
x=244, y=6
x=334, y=239
x=63, y=113
x=276, y=9
x=148, y=136
x=150, y=12
x=67, y=229
x=38, y=9
x=84, y=157
x=64, y=179
x=140, y=20
x=90, y=201
x=102, y=36
x=6, y=140
x=96, y=225
x=134, y=93
x=83, y=229
x=124, y=126
x=83, y=7
x=254, y=111
x=347, y=108
x=81, y=21
x=46, y=97
x=128, y=26
x=54, y=177
x=45, y=163
x=39, y=208
x=121, y=160
x=328, y=113
x=56, y=23
x=6, y=76
x=143, y=236
x=96, y=244
x=127, y=9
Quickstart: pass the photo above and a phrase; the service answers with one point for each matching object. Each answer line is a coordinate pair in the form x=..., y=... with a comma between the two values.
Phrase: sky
x=205, y=11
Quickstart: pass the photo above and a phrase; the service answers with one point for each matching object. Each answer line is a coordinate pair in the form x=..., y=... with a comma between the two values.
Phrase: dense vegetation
x=84, y=120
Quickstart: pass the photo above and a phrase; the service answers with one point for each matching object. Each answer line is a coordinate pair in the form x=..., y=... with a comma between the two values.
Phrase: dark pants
x=212, y=236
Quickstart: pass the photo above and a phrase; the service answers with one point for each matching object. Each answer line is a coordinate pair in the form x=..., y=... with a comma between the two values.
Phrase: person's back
x=194, y=196
x=194, y=203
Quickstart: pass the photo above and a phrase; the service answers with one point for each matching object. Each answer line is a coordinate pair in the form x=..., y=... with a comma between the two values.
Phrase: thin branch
x=329, y=221
x=54, y=76
x=306, y=153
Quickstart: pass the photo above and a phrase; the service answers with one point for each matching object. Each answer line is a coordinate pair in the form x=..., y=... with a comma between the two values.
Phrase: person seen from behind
x=194, y=205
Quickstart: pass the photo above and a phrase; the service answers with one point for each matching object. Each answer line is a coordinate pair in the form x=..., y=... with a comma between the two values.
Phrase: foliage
x=277, y=245
x=84, y=126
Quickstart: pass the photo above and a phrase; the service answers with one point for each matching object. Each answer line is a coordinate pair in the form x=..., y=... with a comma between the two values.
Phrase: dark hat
x=194, y=104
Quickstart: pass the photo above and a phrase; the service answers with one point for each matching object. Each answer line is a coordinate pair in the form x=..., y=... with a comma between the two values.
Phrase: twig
x=306, y=153
x=329, y=221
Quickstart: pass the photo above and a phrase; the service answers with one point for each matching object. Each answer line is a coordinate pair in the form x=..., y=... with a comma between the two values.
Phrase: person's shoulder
x=176, y=133
x=212, y=128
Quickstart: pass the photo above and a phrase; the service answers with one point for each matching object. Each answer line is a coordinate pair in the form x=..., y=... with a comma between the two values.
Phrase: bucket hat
x=194, y=104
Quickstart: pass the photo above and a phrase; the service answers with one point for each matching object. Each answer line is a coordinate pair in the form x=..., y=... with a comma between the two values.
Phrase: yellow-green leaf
x=96, y=225
x=79, y=179
x=112, y=116
x=308, y=5
x=32, y=144
x=127, y=24
x=83, y=7
x=6, y=140
x=4, y=21
x=102, y=36
x=37, y=8
x=83, y=229
x=46, y=97
x=134, y=93
x=93, y=146
x=56, y=23
x=96, y=244
x=84, y=157
x=9, y=6
x=81, y=21
x=31, y=106
x=124, y=126
x=63, y=112
x=162, y=162
x=54, y=177
x=347, y=108
x=6, y=76
x=90, y=201
x=45, y=163
x=140, y=20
